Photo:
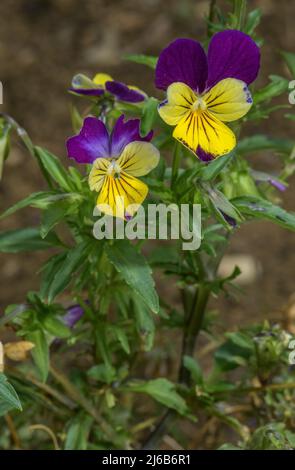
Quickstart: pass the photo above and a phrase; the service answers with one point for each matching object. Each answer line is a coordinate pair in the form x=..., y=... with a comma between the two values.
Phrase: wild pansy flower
x=102, y=84
x=203, y=91
x=118, y=159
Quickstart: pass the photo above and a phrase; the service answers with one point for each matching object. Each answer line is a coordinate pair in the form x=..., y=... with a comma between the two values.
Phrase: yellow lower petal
x=121, y=195
x=228, y=100
x=203, y=130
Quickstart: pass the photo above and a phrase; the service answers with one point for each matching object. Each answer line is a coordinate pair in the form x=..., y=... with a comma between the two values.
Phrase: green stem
x=193, y=328
x=176, y=162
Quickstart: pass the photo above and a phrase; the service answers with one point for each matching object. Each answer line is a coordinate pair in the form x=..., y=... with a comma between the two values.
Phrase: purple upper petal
x=124, y=133
x=91, y=143
x=184, y=60
x=232, y=54
x=123, y=92
x=88, y=91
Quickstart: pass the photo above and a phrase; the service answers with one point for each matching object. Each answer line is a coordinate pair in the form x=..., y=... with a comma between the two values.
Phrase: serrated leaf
x=135, y=271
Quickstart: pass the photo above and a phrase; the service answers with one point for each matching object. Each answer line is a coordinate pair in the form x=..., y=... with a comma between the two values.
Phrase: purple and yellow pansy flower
x=102, y=84
x=204, y=91
x=118, y=159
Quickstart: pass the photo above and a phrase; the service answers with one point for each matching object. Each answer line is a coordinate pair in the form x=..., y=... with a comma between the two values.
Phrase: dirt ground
x=44, y=42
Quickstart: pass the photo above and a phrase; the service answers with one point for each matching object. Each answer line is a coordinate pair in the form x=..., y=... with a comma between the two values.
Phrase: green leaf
x=160, y=190
x=4, y=144
x=150, y=61
x=77, y=120
x=134, y=270
x=276, y=87
x=145, y=324
x=41, y=200
x=209, y=172
x=193, y=366
x=262, y=142
x=163, y=391
x=67, y=267
x=26, y=239
x=40, y=352
x=222, y=206
x=8, y=396
x=53, y=215
x=49, y=271
x=227, y=446
x=253, y=21
x=289, y=58
x=78, y=433
x=290, y=116
x=259, y=208
x=240, y=339
x=149, y=115
x=233, y=353
x=122, y=338
x=54, y=169
x=269, y=437
x=56, y=327
x=102, y=373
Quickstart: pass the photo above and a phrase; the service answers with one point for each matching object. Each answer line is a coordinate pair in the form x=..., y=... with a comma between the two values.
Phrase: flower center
x=199, y=105
x=114, y=169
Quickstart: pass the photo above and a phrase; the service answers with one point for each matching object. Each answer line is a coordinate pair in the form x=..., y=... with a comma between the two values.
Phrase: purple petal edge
x=123, y=93
x=88, y=91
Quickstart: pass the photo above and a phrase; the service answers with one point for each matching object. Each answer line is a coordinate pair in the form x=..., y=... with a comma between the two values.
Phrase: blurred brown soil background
x=43, y=43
